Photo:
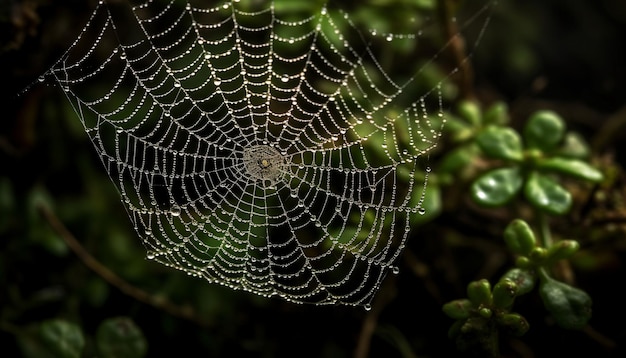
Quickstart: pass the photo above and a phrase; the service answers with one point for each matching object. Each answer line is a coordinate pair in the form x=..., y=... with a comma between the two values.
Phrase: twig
x=160, y=303
x=457, y=50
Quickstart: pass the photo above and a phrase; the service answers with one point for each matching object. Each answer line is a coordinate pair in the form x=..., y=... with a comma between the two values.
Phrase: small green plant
x=525, y=166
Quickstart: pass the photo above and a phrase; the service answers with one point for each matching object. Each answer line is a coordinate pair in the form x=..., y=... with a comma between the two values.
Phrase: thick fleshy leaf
x=500, y=143
x=497, y=114
x=496, y=187
x=574, y=146
x=514, y=323
x=458, y=309
x=546, y=194
x=524, y=279
x=471, y=112
x=570, y=307
x=572, y=167
x=458, y=129
x=479, y=292
x=457, y=159
x=504, y=293
x=544, y=130
x=120, y=337
x=562, y=250
x=61, y=338
x=519, y=237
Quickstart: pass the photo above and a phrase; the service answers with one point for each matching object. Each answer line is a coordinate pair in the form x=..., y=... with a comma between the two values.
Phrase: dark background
x=569, y=56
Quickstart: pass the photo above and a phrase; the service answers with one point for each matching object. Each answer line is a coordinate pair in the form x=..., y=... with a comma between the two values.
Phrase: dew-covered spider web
x=272, y=153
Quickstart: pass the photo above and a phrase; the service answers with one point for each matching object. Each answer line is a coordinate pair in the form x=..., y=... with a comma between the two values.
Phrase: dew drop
x=41, y=78
x=428, y=169
x=421, y=211
x=389, y=38
x=367, y=307
x=395, y=270
x=285, y=78
x=150, y=255
x=217, y=82
x=175, y=210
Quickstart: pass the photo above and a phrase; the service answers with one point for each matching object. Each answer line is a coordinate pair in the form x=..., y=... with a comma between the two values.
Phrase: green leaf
x=544, y=130
x=458, y=129
x=470, y=111
x=504, y=293
x=546, y=194
x=496, y=187
x=519, y=237
x=497, y=114
x=457, y=159
x=479, y=292
x=458, y=309
x=524, y=279
x=572, y=167
x=562, y=250
x=61, y=338
x=574, y=146
x=500, y=143
x=514, y=323
x=570, y=307
x=120, y=337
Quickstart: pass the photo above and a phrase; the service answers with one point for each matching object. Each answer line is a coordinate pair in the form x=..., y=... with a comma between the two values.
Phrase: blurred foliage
x=563, y=56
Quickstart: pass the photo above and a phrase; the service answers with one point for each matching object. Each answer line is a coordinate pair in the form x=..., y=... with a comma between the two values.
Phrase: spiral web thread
x=259, y=153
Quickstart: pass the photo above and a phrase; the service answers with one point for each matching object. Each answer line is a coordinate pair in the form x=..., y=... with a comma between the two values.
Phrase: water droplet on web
x=395, y=270
x=421, y=211
x=428, y=169
x=41, y=78
x=207, y=158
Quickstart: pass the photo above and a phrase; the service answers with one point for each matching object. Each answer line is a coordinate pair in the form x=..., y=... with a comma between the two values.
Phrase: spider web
x=263, y=153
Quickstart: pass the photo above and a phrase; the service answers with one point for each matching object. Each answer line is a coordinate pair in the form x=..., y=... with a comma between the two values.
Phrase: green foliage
x=570, y=306
x=530, y=168
x=531, y=164
x=120, y=337
x=55, y=338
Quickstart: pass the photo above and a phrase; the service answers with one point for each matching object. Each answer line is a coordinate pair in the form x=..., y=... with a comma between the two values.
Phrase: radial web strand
x=265, y=153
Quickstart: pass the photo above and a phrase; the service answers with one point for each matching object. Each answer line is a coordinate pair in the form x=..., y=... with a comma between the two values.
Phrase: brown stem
x=457, y=50
x=160, y=303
